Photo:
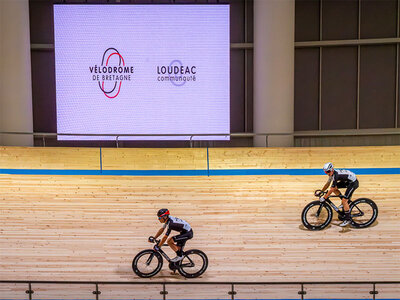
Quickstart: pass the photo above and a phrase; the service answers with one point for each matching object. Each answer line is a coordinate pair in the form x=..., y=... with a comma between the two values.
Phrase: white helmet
x=328, y=167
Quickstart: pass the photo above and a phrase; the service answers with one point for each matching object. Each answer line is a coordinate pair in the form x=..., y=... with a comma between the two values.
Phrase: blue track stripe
x=105, y=172
x=207, y=172
x=358, y=171
x=377, y=171
x=49, y=172
x=155, y=172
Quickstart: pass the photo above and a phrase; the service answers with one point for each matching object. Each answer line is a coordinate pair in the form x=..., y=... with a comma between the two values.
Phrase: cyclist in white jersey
x=340, y=179
x=176, y=224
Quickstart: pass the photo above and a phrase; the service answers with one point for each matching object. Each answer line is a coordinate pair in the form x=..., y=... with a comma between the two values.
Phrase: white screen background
x=147, y=37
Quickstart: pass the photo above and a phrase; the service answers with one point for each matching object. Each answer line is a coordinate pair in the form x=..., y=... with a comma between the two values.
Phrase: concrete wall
x=15, y=72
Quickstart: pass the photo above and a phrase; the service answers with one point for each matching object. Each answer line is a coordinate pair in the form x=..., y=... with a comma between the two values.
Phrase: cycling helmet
x=163, y=212
x=328, y=167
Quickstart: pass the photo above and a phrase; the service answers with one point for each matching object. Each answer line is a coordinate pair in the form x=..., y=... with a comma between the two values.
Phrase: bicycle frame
x=318, y=214
x=335, y=208
x=190, y=264
x=161, y=252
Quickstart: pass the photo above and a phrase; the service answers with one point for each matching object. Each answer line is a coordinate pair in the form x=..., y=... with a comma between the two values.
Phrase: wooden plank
x=90, y=228
x=154, y=159
x=49, y=158
x=304, y=158
x=196, y=159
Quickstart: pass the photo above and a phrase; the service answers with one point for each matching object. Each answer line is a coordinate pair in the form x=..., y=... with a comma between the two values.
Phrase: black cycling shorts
x=350, y=188
x=182, y=238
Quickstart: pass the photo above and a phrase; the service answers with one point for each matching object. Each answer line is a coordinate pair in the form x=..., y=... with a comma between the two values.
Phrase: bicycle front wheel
x=147, y=263
x=363, y=212
x=316, y=215
x=194, y=263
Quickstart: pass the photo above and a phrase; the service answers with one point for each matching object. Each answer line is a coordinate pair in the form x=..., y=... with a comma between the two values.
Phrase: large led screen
x=142, y=69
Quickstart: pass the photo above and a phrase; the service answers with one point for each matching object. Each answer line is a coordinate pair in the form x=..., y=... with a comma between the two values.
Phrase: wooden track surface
x=49, y=158
x=304, y=157
x=154, y=159
x=90, y=228
x=196, y=158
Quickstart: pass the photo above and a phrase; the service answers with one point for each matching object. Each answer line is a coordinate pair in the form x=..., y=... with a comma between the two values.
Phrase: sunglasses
x=328, y=172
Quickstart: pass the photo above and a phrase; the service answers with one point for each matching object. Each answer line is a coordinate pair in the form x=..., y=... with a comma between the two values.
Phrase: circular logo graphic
x=173, y=63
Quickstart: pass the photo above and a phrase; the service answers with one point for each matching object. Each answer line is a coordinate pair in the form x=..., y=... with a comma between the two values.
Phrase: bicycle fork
x=148, y=262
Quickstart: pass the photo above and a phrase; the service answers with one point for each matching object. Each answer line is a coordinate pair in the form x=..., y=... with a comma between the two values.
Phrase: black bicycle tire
x=201, y=271
x=144, y=275
x=307, y=208
x=374, y=216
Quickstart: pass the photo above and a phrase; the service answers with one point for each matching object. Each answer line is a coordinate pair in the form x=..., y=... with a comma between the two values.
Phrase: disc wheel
x=363, y=212
x=316, y=215
x=147, y=263
x=194, y=263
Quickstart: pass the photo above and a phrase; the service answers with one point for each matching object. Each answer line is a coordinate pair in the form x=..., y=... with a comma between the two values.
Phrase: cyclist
x=340, y=179
x=173, y=223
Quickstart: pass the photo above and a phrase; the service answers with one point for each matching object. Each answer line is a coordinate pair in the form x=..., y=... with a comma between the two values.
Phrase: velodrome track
x=89, y=227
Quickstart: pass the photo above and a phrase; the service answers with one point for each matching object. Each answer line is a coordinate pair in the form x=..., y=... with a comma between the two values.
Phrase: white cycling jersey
x=342, y=175
x=176, y=224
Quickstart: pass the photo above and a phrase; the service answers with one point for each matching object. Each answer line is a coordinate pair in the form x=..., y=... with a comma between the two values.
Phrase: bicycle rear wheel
x=363, y=212
x=316, y=215
x=194, y=263
x=147, y=263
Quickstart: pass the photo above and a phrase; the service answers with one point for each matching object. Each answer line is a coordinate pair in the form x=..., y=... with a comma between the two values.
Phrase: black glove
x=317, y=193
x=151, y=239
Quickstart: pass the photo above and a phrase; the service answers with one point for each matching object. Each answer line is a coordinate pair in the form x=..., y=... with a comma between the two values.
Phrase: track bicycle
x=148, y=263
x=317, y=215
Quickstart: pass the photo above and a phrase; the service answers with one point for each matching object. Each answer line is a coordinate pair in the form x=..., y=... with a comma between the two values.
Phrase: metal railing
x=231, y=292
x=117, y=137
x=191, y=136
